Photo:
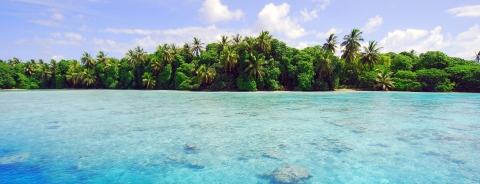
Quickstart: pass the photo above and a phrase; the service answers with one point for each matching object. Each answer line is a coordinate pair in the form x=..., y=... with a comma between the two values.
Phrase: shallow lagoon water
x=103, y=136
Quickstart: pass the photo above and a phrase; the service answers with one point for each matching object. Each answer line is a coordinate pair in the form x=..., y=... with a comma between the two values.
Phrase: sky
x=64, y=29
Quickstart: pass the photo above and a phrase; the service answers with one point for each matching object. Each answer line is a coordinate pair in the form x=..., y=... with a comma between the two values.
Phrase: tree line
x=250, y=64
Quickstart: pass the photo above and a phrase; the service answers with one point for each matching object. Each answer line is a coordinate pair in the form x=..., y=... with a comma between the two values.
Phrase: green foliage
x=401, y=62
x=305, y=76
x=406, y=81
x=246, y=83
x=466, y=77
x=367, y=80
x=183, y=82
x=223, y=82
x=165, y=78
x=6, y=76
x=434, y=80
x=434, y=59
x=250, y=64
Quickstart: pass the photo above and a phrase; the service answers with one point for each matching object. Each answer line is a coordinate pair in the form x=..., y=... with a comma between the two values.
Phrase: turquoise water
x=101, y=136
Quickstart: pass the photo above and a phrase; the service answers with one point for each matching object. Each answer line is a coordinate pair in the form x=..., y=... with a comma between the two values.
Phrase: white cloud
x=373, y=24
x=307, y=16
x=85, y=28
x=57, y=16
x=43, y=22
x=153, y=38
x=276, y=19
x=57, y=57
x=56, y=35
x=324, y=4
x=466, y=43
x=214, y=11
x=327, y=34
x=401, y=40
x=73, y=36
x=466, y=11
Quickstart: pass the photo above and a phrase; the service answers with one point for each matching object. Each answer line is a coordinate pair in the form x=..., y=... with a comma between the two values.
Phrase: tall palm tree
x=141, y=55
x=384, y=81
x=197, y=46
x=53, y=66
x=173, y=48
x=14, y=61
x=187, y=50
x=351, y=46
x=156, y=66
x=131, y=58
x=44, y=72
x=102, y=58
x=248, y=43
x=74, y=64
x=206, y=74
x=264, y=42
x=370, y=55
x=167, y=56
x=236, y=40
x=89, y=77
x=30, y=67
x=256, y=65
x=477, y=57
x=229, y=59
x=87, y=60
x=331, y=44
x=323, y=64
x=223, y=43
x=148, y=80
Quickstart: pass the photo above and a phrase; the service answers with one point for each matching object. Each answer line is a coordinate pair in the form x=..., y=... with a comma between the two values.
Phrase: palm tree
x=236, y=40
x=223, y=43
x=167, y=56
x=156, y=65
x=30, y=67
x=264, y=42
x=370, y=55
x=148, y=80
x=331, y=44
x=206, y=74
x=102, y=58
x=256, y=65
x=384, y=80
x=89, y=77
x=141, y=55
x=229, y=59
x=137, y=56
x=43, y=72
x=87, y=60
x=14, y=61
x=130, y=56
x=186, y=50
x=477, y=57
x=74, y=65
x=248, y=43
x=197, y=46
x=173, y=48
x=351, y=46
x=323, y=64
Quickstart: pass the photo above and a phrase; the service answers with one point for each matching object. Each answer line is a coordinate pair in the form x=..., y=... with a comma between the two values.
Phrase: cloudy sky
x=46, y=29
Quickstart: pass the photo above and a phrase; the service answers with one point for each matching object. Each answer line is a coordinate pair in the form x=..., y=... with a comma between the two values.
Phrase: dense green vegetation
x=250, y=64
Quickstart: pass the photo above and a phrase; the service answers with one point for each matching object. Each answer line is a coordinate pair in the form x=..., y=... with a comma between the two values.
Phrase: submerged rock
x=273, y=155
x=190, y=148
x=196, y=165
x=289, y=174
x=12, y=159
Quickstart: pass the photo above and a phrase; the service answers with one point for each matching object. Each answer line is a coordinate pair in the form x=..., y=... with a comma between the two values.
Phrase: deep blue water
x=102, y=136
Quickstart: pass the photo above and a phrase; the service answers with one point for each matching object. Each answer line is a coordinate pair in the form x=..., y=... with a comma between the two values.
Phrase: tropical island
x=249, y=63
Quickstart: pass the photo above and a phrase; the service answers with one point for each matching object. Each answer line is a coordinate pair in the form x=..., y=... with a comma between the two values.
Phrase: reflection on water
x=194, y=137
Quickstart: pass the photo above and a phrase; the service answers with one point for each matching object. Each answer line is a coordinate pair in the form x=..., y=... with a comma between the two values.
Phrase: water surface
x=103, y=136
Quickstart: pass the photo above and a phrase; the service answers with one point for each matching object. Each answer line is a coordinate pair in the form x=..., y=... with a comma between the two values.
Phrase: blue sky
x=46, y=29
